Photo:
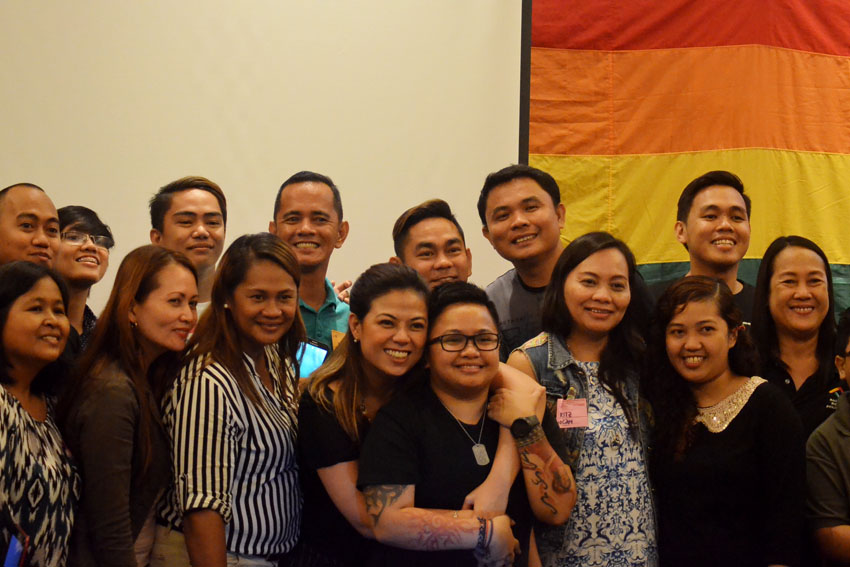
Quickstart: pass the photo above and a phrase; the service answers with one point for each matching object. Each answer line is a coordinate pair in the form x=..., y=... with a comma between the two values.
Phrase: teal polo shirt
x=332, y=315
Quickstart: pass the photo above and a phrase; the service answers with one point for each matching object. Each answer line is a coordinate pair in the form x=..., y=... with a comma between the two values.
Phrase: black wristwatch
x=523, y=426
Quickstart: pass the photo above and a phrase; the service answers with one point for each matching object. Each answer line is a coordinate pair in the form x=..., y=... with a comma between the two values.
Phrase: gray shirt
x=518, y=307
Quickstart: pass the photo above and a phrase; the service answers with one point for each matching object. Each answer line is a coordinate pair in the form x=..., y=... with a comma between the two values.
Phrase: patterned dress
x=39, y=484
x=612, y=524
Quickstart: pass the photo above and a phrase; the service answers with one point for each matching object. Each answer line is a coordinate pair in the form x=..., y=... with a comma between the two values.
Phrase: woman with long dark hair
x=231, y=416
x=379, y=354
x=39, y=484
x=587, y=359
x=728, y=450
x=794, y=327
x=110, y=411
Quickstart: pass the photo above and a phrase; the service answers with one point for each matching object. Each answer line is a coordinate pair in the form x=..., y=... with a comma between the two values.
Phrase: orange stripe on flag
x=679, y=100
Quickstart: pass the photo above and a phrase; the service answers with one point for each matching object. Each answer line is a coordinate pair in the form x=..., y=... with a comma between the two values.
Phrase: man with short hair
x=308, y=217
x=828, y=466
x=189, y=215
x=29, y=225
x=713, y=224
x=429, y=239
x=521, y=210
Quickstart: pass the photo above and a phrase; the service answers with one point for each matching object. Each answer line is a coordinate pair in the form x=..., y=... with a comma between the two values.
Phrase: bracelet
x=489, y=539
x=535, y=435
x=480, y=547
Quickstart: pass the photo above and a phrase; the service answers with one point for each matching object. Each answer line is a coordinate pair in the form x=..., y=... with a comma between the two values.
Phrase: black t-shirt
x=323, y=443
x=736, y=497
x=743, y=299
x=816, y=399
x=415, y=440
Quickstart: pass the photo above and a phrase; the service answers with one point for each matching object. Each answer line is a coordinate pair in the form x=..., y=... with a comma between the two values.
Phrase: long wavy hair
x=625, y=347
x=115, y=341
x=344, y=366
x=764, y=327
x=217, y=334
x=671, y=397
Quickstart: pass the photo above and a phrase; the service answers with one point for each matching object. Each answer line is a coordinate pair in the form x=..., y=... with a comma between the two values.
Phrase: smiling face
x=82, y=265
x=435, y=249
x=194, y=226
x=308, y=222
x=467, y=372
x=522, y=221
x=698, y=342
x=36, y=329
x=799, y=294
x=264, y=306
x=167, y=315
x=717, y=231
x=597, y=293
x=29, y=227
x=392, y=334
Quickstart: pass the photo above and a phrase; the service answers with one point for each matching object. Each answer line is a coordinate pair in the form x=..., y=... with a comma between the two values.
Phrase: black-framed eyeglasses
x=456, y=342
x=79, y=238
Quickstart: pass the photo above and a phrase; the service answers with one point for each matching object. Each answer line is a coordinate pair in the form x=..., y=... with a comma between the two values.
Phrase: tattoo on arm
x=380, y=497
x=530, y=464
x=547, y=473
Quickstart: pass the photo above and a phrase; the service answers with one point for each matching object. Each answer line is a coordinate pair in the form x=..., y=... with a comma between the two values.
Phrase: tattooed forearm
x=562, y=478
x=549, y=482
x=379, y=498
x=530, y=464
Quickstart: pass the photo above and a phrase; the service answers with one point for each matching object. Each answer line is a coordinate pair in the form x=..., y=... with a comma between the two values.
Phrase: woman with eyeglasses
x=433, y=443
x=588, y=359
x=379, y=357
x=81, y=260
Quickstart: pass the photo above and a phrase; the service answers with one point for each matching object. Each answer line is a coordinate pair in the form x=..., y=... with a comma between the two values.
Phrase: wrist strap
x=535, y=435
x=481, y=546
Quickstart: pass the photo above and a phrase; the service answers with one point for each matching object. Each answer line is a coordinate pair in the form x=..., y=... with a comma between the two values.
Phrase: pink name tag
x=572, y=413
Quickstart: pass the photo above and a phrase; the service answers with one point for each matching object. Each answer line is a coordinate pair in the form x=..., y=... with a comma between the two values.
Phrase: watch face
x=521, y=427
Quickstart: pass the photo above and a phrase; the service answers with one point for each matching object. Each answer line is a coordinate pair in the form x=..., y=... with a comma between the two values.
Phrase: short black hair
x=85, y=220
x=161, y=201
x=431, y=209
x=305, y=177
x=842, y=334
x=455, y=293
x=724, y=178
x=508, y=174
x=16, y=279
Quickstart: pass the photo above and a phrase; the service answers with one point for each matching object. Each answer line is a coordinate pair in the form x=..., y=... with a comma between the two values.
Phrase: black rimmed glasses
x=79, y=238
x=456, y=342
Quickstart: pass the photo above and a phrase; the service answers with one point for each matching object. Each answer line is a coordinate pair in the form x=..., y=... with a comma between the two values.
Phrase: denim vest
x=563, y=378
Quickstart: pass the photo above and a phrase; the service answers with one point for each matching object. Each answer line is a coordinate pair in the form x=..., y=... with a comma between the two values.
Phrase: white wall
x=105, y=101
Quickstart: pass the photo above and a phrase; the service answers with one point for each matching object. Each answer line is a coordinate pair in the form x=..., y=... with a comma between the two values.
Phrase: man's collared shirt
x=332, y=316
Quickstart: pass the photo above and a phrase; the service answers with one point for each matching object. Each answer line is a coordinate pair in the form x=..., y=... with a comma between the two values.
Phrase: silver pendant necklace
x=479, y=451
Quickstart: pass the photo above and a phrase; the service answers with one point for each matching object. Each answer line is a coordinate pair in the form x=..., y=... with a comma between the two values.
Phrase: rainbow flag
x=629, y=101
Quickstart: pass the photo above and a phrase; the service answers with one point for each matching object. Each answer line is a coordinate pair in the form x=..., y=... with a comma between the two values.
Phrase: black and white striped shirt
x=233, y=457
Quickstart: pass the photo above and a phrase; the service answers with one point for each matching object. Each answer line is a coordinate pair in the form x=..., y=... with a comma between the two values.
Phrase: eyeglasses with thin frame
x=79, y=238
x=456, y=342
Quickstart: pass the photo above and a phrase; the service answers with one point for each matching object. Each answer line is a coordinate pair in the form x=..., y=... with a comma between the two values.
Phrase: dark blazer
x=103, y=431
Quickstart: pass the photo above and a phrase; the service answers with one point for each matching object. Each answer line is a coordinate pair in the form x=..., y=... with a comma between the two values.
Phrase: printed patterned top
x=612, y=522
x=39, y=484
